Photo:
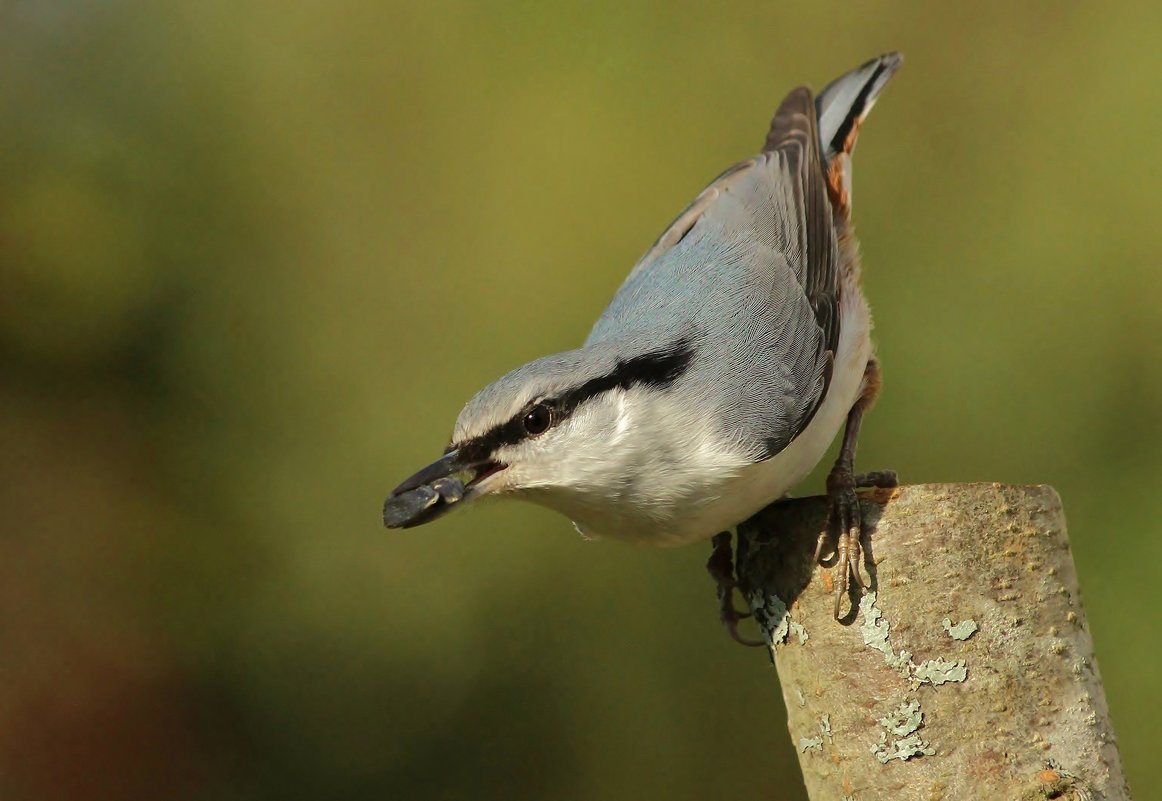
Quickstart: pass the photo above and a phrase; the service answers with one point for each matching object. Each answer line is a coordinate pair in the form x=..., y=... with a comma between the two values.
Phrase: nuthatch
x=718, y=375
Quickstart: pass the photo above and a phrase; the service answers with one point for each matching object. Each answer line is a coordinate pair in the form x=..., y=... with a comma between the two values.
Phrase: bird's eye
x=538, y=420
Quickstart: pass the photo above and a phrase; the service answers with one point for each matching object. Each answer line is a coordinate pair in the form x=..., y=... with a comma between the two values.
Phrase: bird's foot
x=720, y=566
x=844, y=515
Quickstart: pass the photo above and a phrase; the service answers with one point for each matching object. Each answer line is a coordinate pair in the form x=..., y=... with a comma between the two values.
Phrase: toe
x=819, y=544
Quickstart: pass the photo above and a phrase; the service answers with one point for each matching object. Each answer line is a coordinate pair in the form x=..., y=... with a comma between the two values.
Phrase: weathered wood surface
x=968, y=674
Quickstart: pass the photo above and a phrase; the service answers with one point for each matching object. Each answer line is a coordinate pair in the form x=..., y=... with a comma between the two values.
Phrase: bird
x=716, y=378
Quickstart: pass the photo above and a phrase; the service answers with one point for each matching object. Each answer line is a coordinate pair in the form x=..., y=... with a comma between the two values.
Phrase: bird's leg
x=843, y=510
x=720, y=566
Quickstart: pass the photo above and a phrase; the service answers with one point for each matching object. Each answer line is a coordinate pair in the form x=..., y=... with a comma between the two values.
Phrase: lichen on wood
x=899, y=701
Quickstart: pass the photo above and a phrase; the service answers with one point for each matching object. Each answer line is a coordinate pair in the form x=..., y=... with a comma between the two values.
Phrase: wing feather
x=749, y=272
x=794, y=134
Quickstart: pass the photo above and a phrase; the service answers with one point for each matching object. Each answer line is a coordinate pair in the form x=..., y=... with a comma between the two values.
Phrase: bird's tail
x=841, y=108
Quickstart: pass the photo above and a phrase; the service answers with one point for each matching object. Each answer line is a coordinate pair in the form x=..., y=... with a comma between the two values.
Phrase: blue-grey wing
x=749, y=273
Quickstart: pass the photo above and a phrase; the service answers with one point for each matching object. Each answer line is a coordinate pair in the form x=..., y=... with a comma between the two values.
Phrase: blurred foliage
x=254, y=256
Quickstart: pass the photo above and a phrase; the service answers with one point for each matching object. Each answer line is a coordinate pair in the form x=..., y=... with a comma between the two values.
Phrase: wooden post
x=967, y=671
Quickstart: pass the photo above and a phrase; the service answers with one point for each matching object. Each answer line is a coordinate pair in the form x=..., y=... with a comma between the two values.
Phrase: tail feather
x=842, y=107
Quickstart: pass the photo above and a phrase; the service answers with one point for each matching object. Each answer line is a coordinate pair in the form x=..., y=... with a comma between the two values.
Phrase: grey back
x=747, y=275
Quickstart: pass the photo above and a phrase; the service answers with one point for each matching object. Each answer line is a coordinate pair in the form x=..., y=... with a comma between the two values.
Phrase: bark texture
x=966, y=671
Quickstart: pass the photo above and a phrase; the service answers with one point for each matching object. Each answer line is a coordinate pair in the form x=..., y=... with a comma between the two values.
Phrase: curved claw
x=729, y=616
x=819, y=543
x=856, y=555
x=720, y=565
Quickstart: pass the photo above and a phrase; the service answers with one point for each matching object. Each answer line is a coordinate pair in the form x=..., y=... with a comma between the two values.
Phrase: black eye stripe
x=658, y=369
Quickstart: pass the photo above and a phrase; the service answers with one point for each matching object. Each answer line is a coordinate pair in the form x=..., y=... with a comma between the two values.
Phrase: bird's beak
x=431, y=492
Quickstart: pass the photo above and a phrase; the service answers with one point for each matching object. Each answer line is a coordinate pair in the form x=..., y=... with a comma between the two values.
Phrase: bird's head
x=553, y=431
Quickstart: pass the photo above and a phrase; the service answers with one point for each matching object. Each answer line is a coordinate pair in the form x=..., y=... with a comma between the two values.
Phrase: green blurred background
x=255, y=256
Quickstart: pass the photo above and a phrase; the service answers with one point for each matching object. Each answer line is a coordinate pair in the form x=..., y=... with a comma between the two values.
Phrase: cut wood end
x=968, y=664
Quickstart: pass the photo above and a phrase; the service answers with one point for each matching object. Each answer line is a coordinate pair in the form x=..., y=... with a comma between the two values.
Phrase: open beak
x=431, y=492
